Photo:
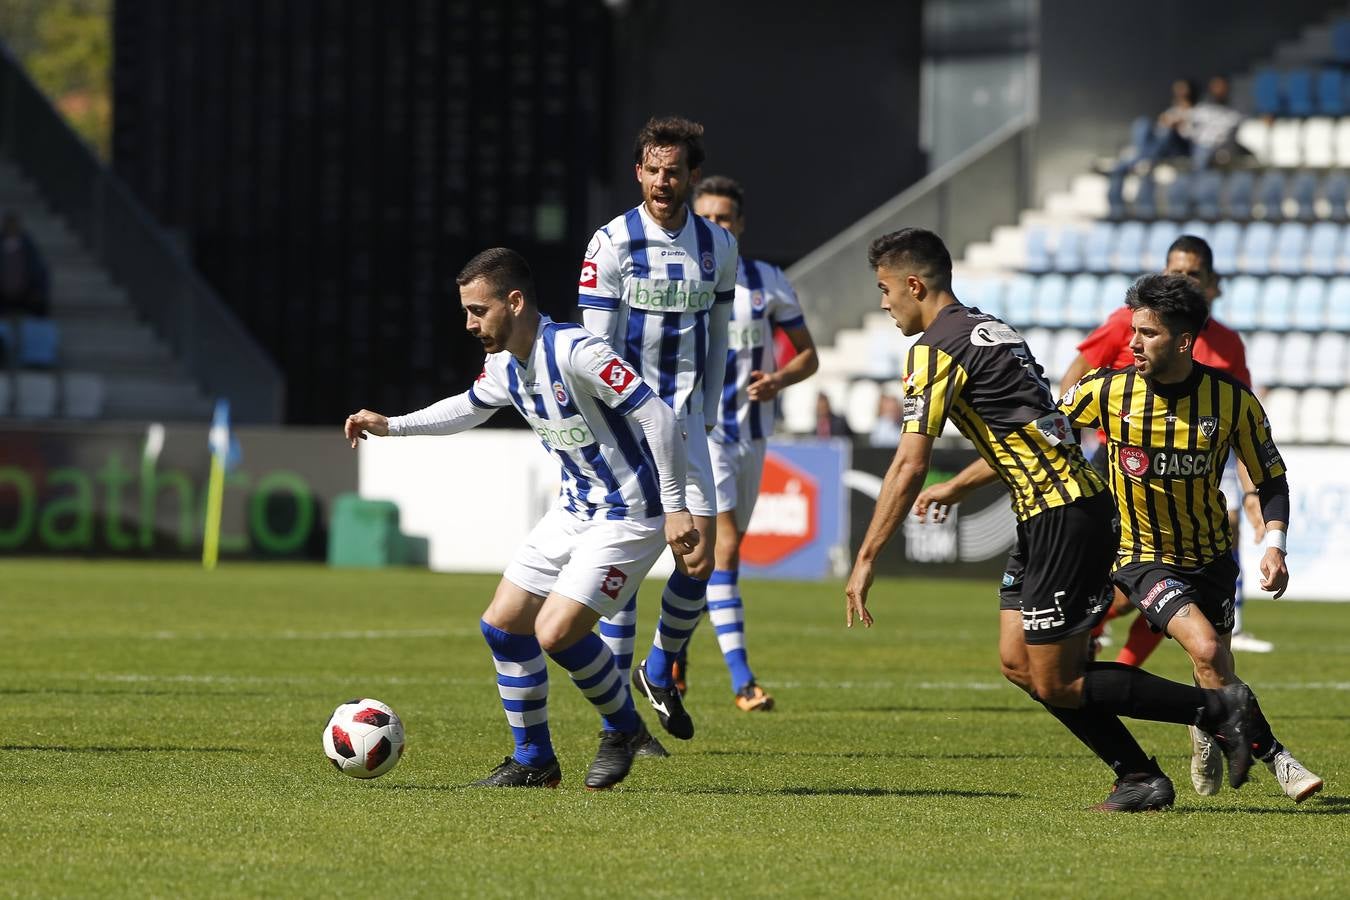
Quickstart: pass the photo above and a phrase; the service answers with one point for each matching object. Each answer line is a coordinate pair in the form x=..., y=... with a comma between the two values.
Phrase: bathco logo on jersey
x=660, y=295
x=563, y=434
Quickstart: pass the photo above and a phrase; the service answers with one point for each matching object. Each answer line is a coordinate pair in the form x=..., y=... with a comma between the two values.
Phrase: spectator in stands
x=828, y=422
x=23, y=272
x=890, y=421
x=1214, y=126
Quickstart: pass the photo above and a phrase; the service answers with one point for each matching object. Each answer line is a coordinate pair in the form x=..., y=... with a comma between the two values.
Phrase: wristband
x=1251, y=494
x=1274, y=538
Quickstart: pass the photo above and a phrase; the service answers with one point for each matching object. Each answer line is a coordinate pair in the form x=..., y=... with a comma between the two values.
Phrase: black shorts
x=1057, y=574
x=1159, y=590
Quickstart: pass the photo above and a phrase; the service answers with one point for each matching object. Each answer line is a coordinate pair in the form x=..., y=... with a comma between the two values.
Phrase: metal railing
x=963, y=200
x=202, y=331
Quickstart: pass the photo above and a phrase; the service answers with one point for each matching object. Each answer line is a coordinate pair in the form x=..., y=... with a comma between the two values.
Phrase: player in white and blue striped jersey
x=622, y=502
x=764, y=301
x=658, y=282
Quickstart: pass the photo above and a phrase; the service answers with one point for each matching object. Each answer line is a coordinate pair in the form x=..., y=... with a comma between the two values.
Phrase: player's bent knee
x=1058, y=693
x=1017, y=674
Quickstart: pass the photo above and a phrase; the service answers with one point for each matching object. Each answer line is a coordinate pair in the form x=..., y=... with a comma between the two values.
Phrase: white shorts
x=738, y=469
x=700, y=494
x=1231, y=487
x=596, y=562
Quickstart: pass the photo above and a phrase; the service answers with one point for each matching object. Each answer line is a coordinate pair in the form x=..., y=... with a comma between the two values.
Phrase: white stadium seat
x=1319, y=143
x=1340, y=417
x=1254, y=134
x=1343, y=142
x=861, y=411
x=36, y=396
x=1314, y=416
x=1281, y=408
x=1286, y=143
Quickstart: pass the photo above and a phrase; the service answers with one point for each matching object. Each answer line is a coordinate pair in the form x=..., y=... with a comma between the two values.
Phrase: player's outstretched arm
x=899, y=489
x=449, y=416
x=364, y=422
x=942, y=497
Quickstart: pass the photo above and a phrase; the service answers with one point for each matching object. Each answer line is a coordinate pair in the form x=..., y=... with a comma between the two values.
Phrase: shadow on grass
x=131, y=692
x=878, y=754
x=64, y=748
x=1314, y=806
x=843, y=792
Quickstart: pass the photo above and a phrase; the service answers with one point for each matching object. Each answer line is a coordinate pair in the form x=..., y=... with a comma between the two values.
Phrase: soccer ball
x=363, y=739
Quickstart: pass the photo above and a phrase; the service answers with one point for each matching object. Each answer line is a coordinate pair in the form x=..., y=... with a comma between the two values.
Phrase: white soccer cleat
x=1297, y=782
x=1206, y=763
x=1248, y=644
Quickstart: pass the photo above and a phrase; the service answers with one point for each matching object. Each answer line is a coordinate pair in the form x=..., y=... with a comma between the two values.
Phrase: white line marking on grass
x=354, y=635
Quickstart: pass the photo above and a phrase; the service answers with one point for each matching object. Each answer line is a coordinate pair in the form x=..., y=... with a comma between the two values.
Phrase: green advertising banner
x=122, y=490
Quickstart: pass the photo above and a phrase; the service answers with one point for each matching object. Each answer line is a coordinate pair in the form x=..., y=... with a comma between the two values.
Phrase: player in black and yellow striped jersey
x=978, y=371
x=1170, y=425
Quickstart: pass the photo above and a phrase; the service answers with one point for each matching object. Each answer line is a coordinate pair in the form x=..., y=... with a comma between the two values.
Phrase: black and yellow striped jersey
x=977, y=371
x=1167, y=447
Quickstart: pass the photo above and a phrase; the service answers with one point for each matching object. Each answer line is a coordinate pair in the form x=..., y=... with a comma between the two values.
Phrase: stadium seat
x=1017, y=301
x=1275, y=311
x=1333, y=196
x=1330, y=93
x=6, y=394
x=1111, y=295
x=1098, y=247
x=1308, y=302
x=1319, y=142
x=1282, y=409
x=1145, y=202
x=1295, y=363
x=1048, y=304
x=39, y=343
x=1205, y=189
x=1080, y=307
x=1129, y=247
x=1038, y=249
x=1069, y=252
x=1241, y=301
x=1254, y=134
x=1340, y=417
x=1178, y=196
x=1266, y=92
x=799, y=406
x=1343, y=141
x=1324, y=241
x=1263, y=351
x=1304, y=194
x=1328, y=359
x=1224, y=244
x=1257, y=244
x=1340, y=40
x=35, y=395
x=860, y=409
x=1063, y=350
x=1270, y=196
x=1041, y=341
x=1237, y=195
x=1337, y=309
x=1314, y=416
x=1291, y=244
x=1286, y=143
x=1298, y=93
x=1160, y=237
x=82, y=395
x=991, y=299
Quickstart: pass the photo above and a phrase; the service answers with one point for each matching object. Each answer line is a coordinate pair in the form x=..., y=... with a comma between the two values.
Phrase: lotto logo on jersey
x=613, y=582
x=1134, y=461
x=617, y=375
x=590, y=275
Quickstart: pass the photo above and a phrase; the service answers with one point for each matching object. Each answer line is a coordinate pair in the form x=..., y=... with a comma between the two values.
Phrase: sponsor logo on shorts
x=613, y=582
x=617, y=375
x=1045, y=619
x=1008, y=579
x=590, y=275
x=1162, y=593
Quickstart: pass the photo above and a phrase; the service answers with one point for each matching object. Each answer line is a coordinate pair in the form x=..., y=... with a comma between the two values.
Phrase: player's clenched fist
x=681, y=534
x=360, y=423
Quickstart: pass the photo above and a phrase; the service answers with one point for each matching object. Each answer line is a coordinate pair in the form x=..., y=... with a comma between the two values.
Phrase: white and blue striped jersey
x=764, y=298
x=661, y=290
x=576, y=394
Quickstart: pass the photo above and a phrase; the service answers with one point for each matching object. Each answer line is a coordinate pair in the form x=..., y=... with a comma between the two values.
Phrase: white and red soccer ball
x=364, y=738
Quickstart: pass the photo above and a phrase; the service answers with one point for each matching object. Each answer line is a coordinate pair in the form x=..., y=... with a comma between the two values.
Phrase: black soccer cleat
x=1234, y=731
x=1139, y=792
x=513, y=774
x=614, y=759
x=667, y=703
x=651, y=748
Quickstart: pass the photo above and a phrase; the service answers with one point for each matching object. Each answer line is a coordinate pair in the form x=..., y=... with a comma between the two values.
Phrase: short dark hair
x=671, y=131
x=1176, y=299
x=504, y=269
x=1190, y=243
x=917, y=249
x=722, y=186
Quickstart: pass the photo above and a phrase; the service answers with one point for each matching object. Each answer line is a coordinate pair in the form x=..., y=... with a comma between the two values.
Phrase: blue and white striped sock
x=619, y=632
x=522, y=682
x=681, y=605
x=728, y=619
x=592, y=668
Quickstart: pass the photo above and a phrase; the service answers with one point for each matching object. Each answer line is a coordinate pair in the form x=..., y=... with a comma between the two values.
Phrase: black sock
x=1264, y=744
x=1106, y=736
x=1127, y=691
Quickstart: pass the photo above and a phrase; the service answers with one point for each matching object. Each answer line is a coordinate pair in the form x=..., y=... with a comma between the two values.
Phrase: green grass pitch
x=159, y=736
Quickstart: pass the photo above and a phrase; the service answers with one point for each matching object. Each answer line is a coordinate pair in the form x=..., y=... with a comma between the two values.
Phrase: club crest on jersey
x=707, y=262
x=590, y=275
x=1134, y=461
x=560, y=393
x=617, y=375
x=756, y=300
x=1209, y=425
x=613, y=582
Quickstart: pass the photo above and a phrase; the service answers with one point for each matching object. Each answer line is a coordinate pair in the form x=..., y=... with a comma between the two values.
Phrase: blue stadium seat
x=989, y=296
x=1048, y=305
x=1069, y=253
x=1330, y=96
x=1257, y=244
x=1080, y=308
x=1224, y=243
x=1145, y=199
x=1336, y=313
x=1309, y=296
x=1276, y=310
x=1270, y=195
x=1240, y=302
x=1111, y=295
x=39, y=342
x=1340, y=40
x=1324, y=242
x=1237, y=200
x=1178, y=196
x=1038, y=248
x=1335, y=192
x=1205, y=189
x=1291, y=243
x=1017, y=300
x=1129, y=247
x=1266, y=92
x=1304, y=193
x=1097, y=248
x=1298, y=93
x=1160, y=237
